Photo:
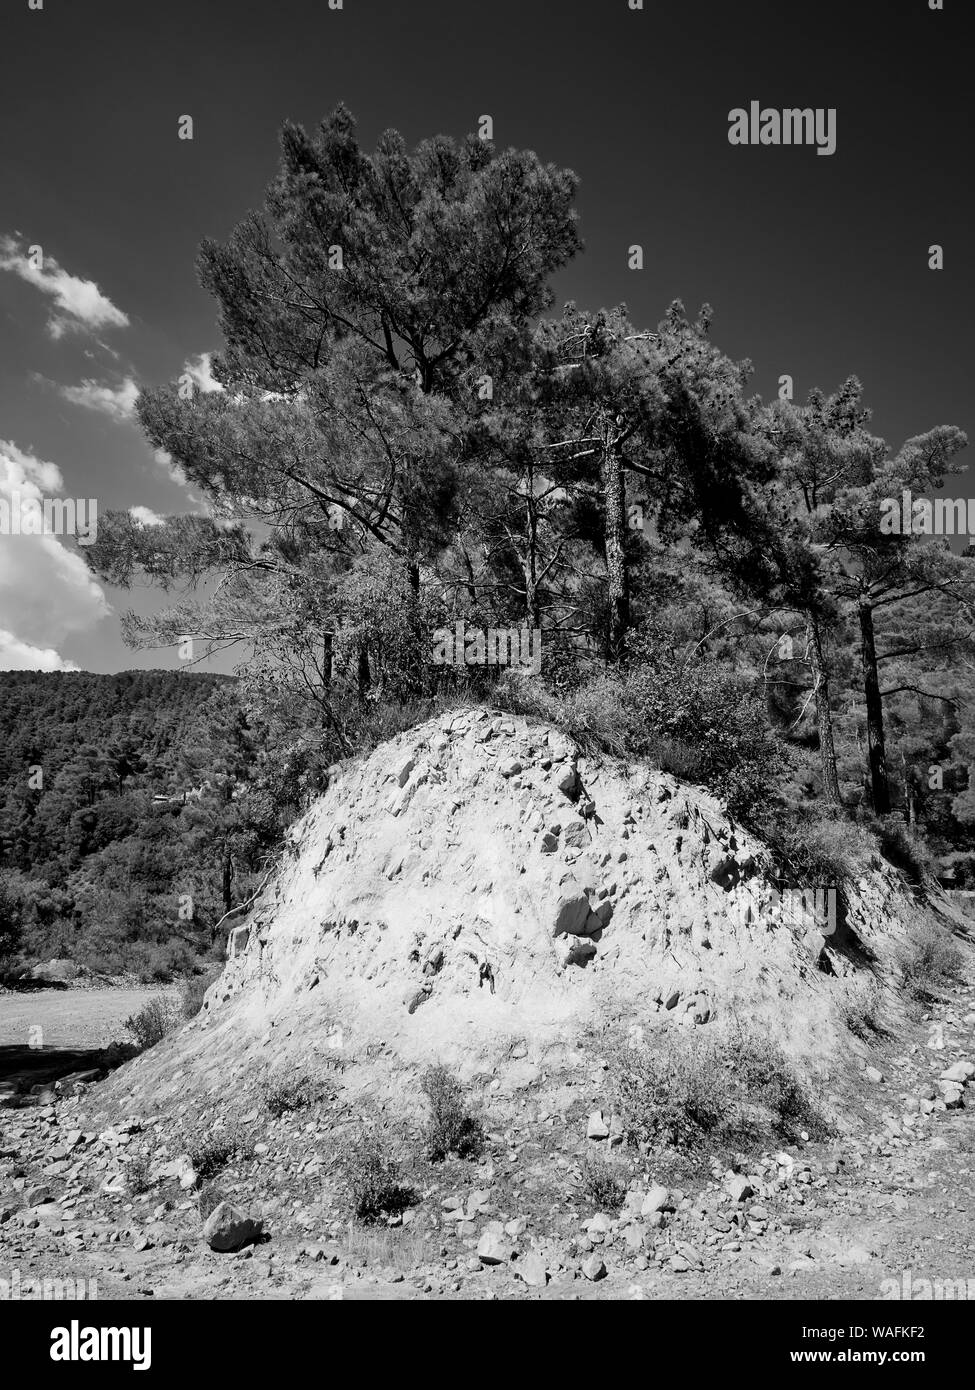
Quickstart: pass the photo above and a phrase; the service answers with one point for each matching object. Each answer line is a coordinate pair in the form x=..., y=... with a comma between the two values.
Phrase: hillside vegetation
x=129, y=821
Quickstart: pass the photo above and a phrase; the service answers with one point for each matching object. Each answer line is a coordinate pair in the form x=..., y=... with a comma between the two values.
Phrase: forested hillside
x=128, y=814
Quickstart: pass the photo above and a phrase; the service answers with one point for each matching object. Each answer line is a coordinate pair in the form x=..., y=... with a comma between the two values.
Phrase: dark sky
x=815, y=266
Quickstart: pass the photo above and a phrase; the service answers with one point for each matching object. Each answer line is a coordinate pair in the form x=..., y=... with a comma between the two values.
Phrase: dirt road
x=71, y=1018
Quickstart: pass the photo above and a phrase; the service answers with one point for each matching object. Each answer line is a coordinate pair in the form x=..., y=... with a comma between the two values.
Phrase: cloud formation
x=16, y=655
x=47, y=592
x=145, y=516
x=200, y=370
x=80, y=303
x=115, y=401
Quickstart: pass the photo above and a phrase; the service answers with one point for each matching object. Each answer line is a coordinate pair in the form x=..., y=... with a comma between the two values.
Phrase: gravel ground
x=70, y=1018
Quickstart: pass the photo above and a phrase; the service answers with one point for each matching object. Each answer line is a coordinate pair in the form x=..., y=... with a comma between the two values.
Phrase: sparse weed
x=372, y=1181
x=451, y=1129
x=285, y=1095
x=931, y=961
x=209, y=1199
x=863, y=1014
x=212, y=1154
x=137, y=1175
x=602, y=1188
x=400, y=1248
x=152, y=1022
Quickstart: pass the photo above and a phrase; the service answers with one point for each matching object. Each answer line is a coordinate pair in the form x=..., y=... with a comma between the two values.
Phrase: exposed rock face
x=476, y=884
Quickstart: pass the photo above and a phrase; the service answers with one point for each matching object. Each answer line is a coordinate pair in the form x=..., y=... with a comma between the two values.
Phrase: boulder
x=569, y=912
x=493, y=1248
x=597, y=1128
x=952, y=1093
x=655, y=1200
x=227, y=1229
x=58, y=971
x=531, y=1270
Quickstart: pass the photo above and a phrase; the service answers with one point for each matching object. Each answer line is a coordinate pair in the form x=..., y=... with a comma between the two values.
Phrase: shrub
x=963, y=863
x=154, y=963
x=372, y=1181
x=931, y=961
x=765, y=1075
x=11, y=910
x=903, y=850
x=681, y=1092
x=284, y=1095
x=211, y=1154
x=594, y=716
x=137, y=1175
x=863, y=1015
x=668, y=1091
x=451, y=1127
x=601, y=1187
x=700, y=720
x=817, y=849
x=707, y=718
x=153, y=1021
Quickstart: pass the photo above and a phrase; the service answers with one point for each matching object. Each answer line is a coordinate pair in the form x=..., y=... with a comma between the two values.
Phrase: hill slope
x=477, y=892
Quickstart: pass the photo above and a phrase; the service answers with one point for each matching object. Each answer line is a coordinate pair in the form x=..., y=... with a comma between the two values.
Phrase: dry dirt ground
x=71, y=1018
x=888, y=1199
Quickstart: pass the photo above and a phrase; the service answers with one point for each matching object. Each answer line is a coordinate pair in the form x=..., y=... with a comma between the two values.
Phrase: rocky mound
x=478, y=890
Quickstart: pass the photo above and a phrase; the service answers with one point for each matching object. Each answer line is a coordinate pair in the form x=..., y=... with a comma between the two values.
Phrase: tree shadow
x=28, y=1074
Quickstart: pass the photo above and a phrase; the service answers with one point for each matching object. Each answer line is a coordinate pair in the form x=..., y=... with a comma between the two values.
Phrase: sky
x=816, y=266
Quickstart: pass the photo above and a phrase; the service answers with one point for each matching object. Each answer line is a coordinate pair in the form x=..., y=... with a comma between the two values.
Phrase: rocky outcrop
x=478, y=884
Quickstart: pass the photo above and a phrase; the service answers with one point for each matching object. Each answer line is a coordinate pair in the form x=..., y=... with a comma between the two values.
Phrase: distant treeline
x=130, y=820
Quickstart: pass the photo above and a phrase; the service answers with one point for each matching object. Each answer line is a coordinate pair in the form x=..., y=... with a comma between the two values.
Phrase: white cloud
x=166, y=461
x=116, y=401
x=80, y=302
x=16, y=655
x=19, y=469
x=46, y=590
x=199, y=369
x=146, y=517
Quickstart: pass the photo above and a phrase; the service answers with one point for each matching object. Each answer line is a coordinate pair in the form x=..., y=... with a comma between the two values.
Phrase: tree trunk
x=364, y=674
x=530, y=567
x=614, y=506
x=824, y=714
x=227, y=878
x=876, y=749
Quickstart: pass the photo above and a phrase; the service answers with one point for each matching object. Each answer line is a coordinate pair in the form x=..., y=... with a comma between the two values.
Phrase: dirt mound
x=479, y=893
